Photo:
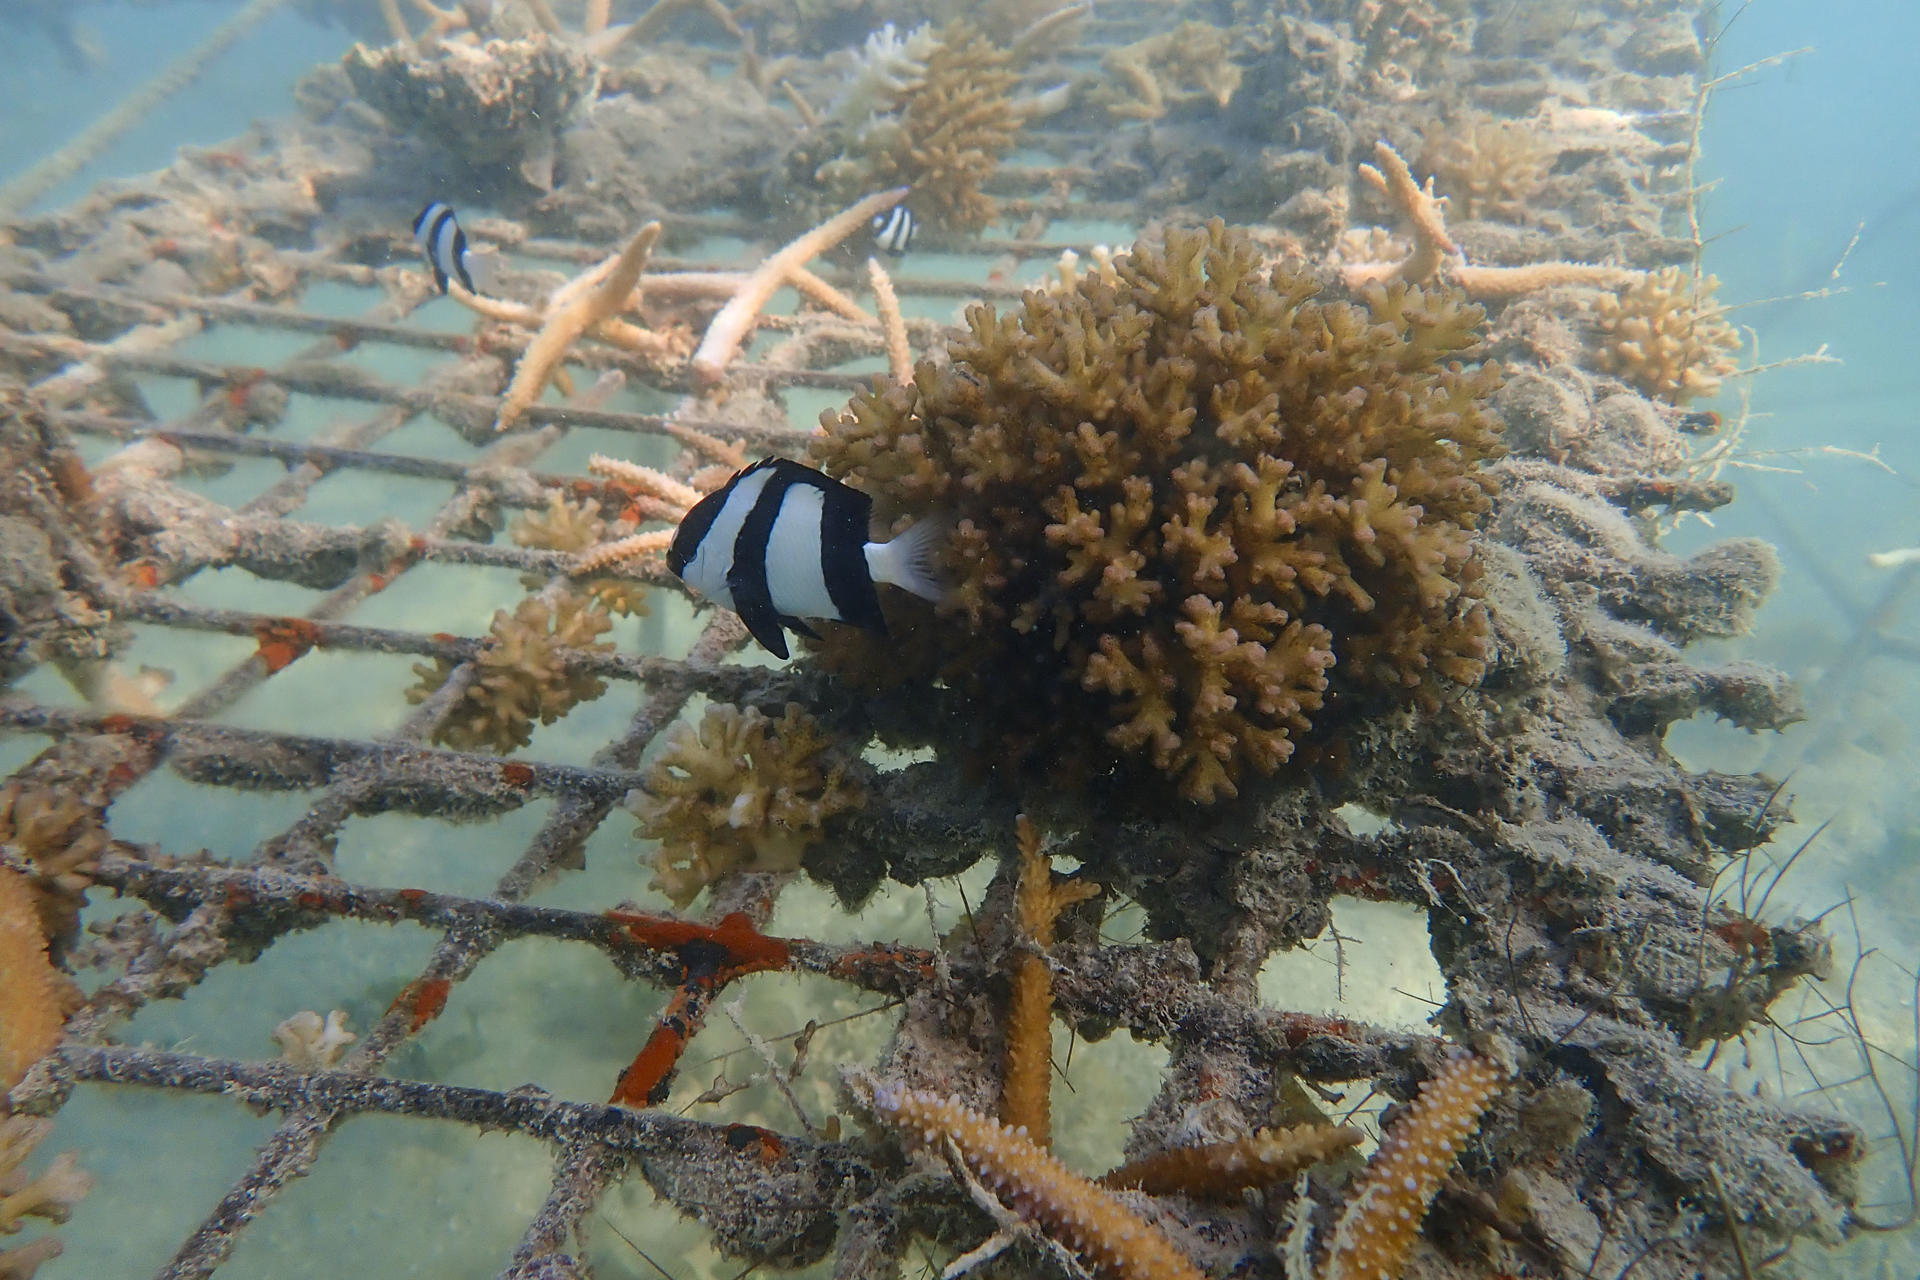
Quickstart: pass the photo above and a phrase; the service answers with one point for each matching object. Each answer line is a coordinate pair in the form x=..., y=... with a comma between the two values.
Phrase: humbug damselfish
x=781, y=542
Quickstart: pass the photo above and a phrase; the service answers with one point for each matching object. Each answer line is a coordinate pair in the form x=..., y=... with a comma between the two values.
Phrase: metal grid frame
x=593, y=1144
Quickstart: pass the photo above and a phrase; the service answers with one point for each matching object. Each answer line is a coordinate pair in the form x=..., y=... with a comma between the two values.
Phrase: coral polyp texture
x=1186, y=503
x=1485, y=166
x=741, y=792
x=30, y=988
x=522, y=674
x=1667, y=336
x=1385, y=1208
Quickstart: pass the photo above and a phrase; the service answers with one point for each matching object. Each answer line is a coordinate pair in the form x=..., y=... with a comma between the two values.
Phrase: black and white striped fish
x=781, y=542
x=893, y=230
x=437, y=232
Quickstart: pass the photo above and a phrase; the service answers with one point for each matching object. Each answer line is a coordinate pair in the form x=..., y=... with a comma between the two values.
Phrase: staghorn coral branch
x=1435, y=255
x=1423, y=210
x=887, y=303
x=1384, y=1209
x=827, y=296
x=575, y=309
x=645, y=479
x=730, y=327
x=30, y=990
x=1026, y=1101
x=652, y=542
x=1221, y=1170
x=1092, y=1221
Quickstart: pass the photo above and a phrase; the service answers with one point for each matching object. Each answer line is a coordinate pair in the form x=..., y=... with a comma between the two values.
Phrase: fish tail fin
x=485, y=266
x=911, y=559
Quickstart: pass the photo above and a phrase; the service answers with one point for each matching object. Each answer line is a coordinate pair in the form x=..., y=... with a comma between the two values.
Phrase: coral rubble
x=740, y=792
x=1187, y=503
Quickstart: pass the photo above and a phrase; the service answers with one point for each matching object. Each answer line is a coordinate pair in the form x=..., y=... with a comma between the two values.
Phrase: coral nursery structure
x=1305, y=552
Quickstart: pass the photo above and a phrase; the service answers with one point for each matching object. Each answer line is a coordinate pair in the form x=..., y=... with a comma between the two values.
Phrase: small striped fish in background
x=781, y=542
x=893, y=230
x=444, y=245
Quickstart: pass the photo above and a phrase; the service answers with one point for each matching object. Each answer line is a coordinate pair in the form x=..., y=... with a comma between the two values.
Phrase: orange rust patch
x=764, y=1143
x=644, y=1083
x=240, y=385
x=516, y=774
x=412, y=897
x=144, y=574
x=283, y=640
x=741, y=948
x=1743, y=935
x=1302, y=1027
x=423, y=999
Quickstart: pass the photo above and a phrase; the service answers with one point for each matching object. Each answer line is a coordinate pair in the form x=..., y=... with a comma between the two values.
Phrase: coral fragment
x=739, y=792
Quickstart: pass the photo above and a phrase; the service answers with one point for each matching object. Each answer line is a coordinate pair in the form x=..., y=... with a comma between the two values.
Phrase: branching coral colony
x=1187, y=505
